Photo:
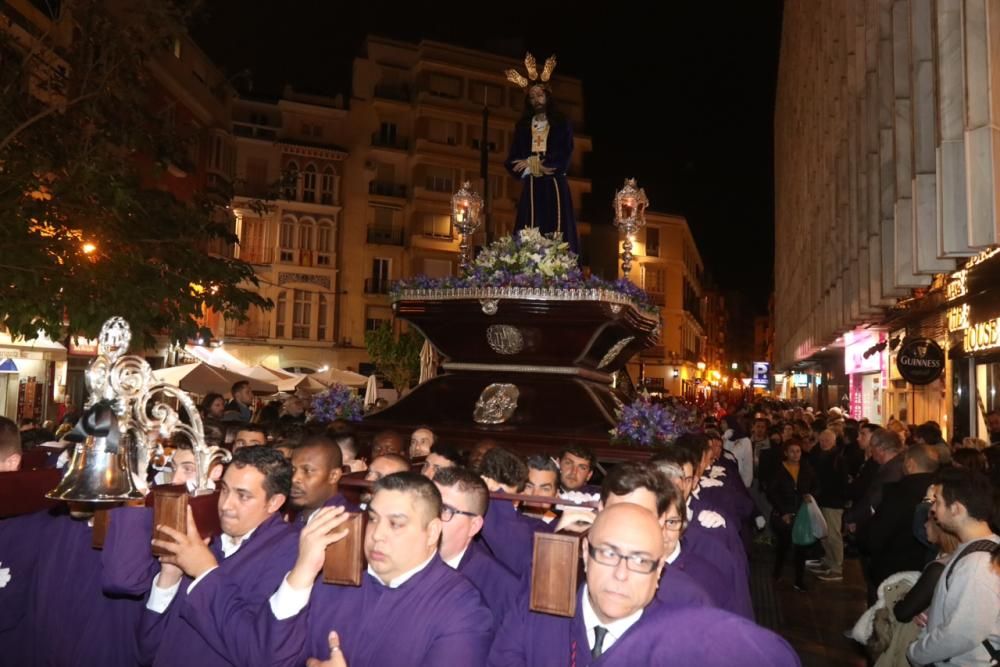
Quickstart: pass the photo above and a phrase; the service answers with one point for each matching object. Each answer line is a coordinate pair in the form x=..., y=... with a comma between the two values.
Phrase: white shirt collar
x=403, y=578
x=675, y=555
x=231, y=545
x=453, y=562
x=615, y=629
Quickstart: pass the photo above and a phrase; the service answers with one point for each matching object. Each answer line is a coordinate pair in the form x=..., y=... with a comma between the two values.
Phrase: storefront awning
x=35, y=348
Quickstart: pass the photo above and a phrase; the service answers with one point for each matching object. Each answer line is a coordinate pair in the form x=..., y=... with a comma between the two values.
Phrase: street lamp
x=466, y=207
x=630, y=215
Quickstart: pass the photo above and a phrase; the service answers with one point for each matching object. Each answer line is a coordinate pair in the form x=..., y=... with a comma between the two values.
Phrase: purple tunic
x=510, y=536
x=69, y=620
x=187, y=633
x=21, y=539
x=704, y=636
x=712, y=546
x=679, y=589
x=498, y=585
x=127, y=557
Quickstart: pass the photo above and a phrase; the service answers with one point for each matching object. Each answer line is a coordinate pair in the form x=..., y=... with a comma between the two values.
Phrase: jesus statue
x=540, y=155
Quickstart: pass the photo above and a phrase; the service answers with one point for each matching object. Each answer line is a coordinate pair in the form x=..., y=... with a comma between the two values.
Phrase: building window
x=437, y=225
x=301, y=314
x=326, y=191
x=290, y=181
x=379, y=281
x=443, y=132
x=287, y=240
x=279, y=315
x=387, y=134
x=382, y=227
x=652, y=242
x=442, y=85
x=322, y=316
x=437, y=268
x=309, y=184
x=253, y=243
x=376, y=316
x=305, y=242
x=324, y=243
x=440, y=179
x=652, y=280
x=493, y=95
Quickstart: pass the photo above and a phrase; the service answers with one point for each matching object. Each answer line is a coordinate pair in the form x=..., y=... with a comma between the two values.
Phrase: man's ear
x=434, y=531
x=215, y=474
x=336, y=474
x=477, y=525
x=275, y=502
x=584, y=551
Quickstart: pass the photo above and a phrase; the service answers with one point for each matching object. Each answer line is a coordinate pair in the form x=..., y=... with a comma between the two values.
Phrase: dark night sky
x=683, y=101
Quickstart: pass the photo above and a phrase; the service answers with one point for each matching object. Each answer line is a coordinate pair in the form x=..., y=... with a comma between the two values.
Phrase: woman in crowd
x=793, y=482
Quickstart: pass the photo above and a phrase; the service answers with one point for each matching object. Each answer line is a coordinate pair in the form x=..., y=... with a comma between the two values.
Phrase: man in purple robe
x=707, y=553
x=576, y=467
x=509, y=534
x=68, y=619
x=253, y=553
x=465, y=500
x=411, y=609
x=619, y=622
x=316, y=473
x=642, y=484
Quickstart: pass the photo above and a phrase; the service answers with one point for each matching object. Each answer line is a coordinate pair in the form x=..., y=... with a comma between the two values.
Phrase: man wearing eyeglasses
x=619, y=622
x=464, y=501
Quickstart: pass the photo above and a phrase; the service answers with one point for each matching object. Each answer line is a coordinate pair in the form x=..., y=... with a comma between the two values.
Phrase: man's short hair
x=973, y=489
x=447, y=451
x=238, y=386
x=505, y=467
x=10, y=438
x=630, y=476
x=271, y=463
x=395, y=458
x=581, y=452
x=886, y=440
x=923, y=457
x=929, y=433
x=252, y=428
x=543, y=463
x=696, y=443
x=326, y=444
x=468, y=483
x=670, y=461
x=346, y=440
x=416, y=484
x=870, y=427
x=712, y=434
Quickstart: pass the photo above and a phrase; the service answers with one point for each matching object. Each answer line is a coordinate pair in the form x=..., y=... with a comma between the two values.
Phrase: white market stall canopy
x=201, y=378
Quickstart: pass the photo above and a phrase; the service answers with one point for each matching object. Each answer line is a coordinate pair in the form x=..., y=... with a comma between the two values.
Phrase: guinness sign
x=920, y=361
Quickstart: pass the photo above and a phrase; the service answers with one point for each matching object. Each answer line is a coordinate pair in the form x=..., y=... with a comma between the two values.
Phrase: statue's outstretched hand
x=520, y=165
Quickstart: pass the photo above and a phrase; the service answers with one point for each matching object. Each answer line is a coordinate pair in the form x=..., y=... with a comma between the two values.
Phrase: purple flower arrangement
x=337, y=402
x=648, y=424
x=532, y=260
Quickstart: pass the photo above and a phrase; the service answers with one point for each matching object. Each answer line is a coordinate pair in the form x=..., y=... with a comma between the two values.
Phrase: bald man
x=618, y=619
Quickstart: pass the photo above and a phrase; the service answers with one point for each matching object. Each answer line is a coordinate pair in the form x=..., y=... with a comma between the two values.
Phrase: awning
x=34, y=348
x=8, y=366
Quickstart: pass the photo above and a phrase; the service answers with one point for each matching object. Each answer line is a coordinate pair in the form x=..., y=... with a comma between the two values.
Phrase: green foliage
x=396, y=357
x=86, y=229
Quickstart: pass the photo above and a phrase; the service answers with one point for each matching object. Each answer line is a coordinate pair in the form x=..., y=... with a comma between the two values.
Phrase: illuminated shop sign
x=958, y=285
x=800, y=380
x=982, y=335
x=958, y=318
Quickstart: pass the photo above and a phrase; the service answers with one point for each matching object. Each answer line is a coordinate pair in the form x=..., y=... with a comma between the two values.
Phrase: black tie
x=600, y=633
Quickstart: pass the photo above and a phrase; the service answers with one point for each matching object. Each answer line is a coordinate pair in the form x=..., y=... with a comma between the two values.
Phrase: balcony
x=397, y=92
x=385, y=235
x=251, y=329
x=382, y=141
x=256, y=255
x=654, y=352
x=377, y=285
x=254, y=131
x=384, y=189
x=658, y=298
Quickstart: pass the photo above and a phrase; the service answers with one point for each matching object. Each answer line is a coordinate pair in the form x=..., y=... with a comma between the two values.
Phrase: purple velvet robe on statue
x=705, y=637
x=69, y=620
x=188, y=633
x=546, y=201
x=498, y=585
x=510, y=536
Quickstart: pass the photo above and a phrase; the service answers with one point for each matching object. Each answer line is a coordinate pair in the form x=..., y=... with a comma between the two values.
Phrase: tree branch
x=42, y=115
